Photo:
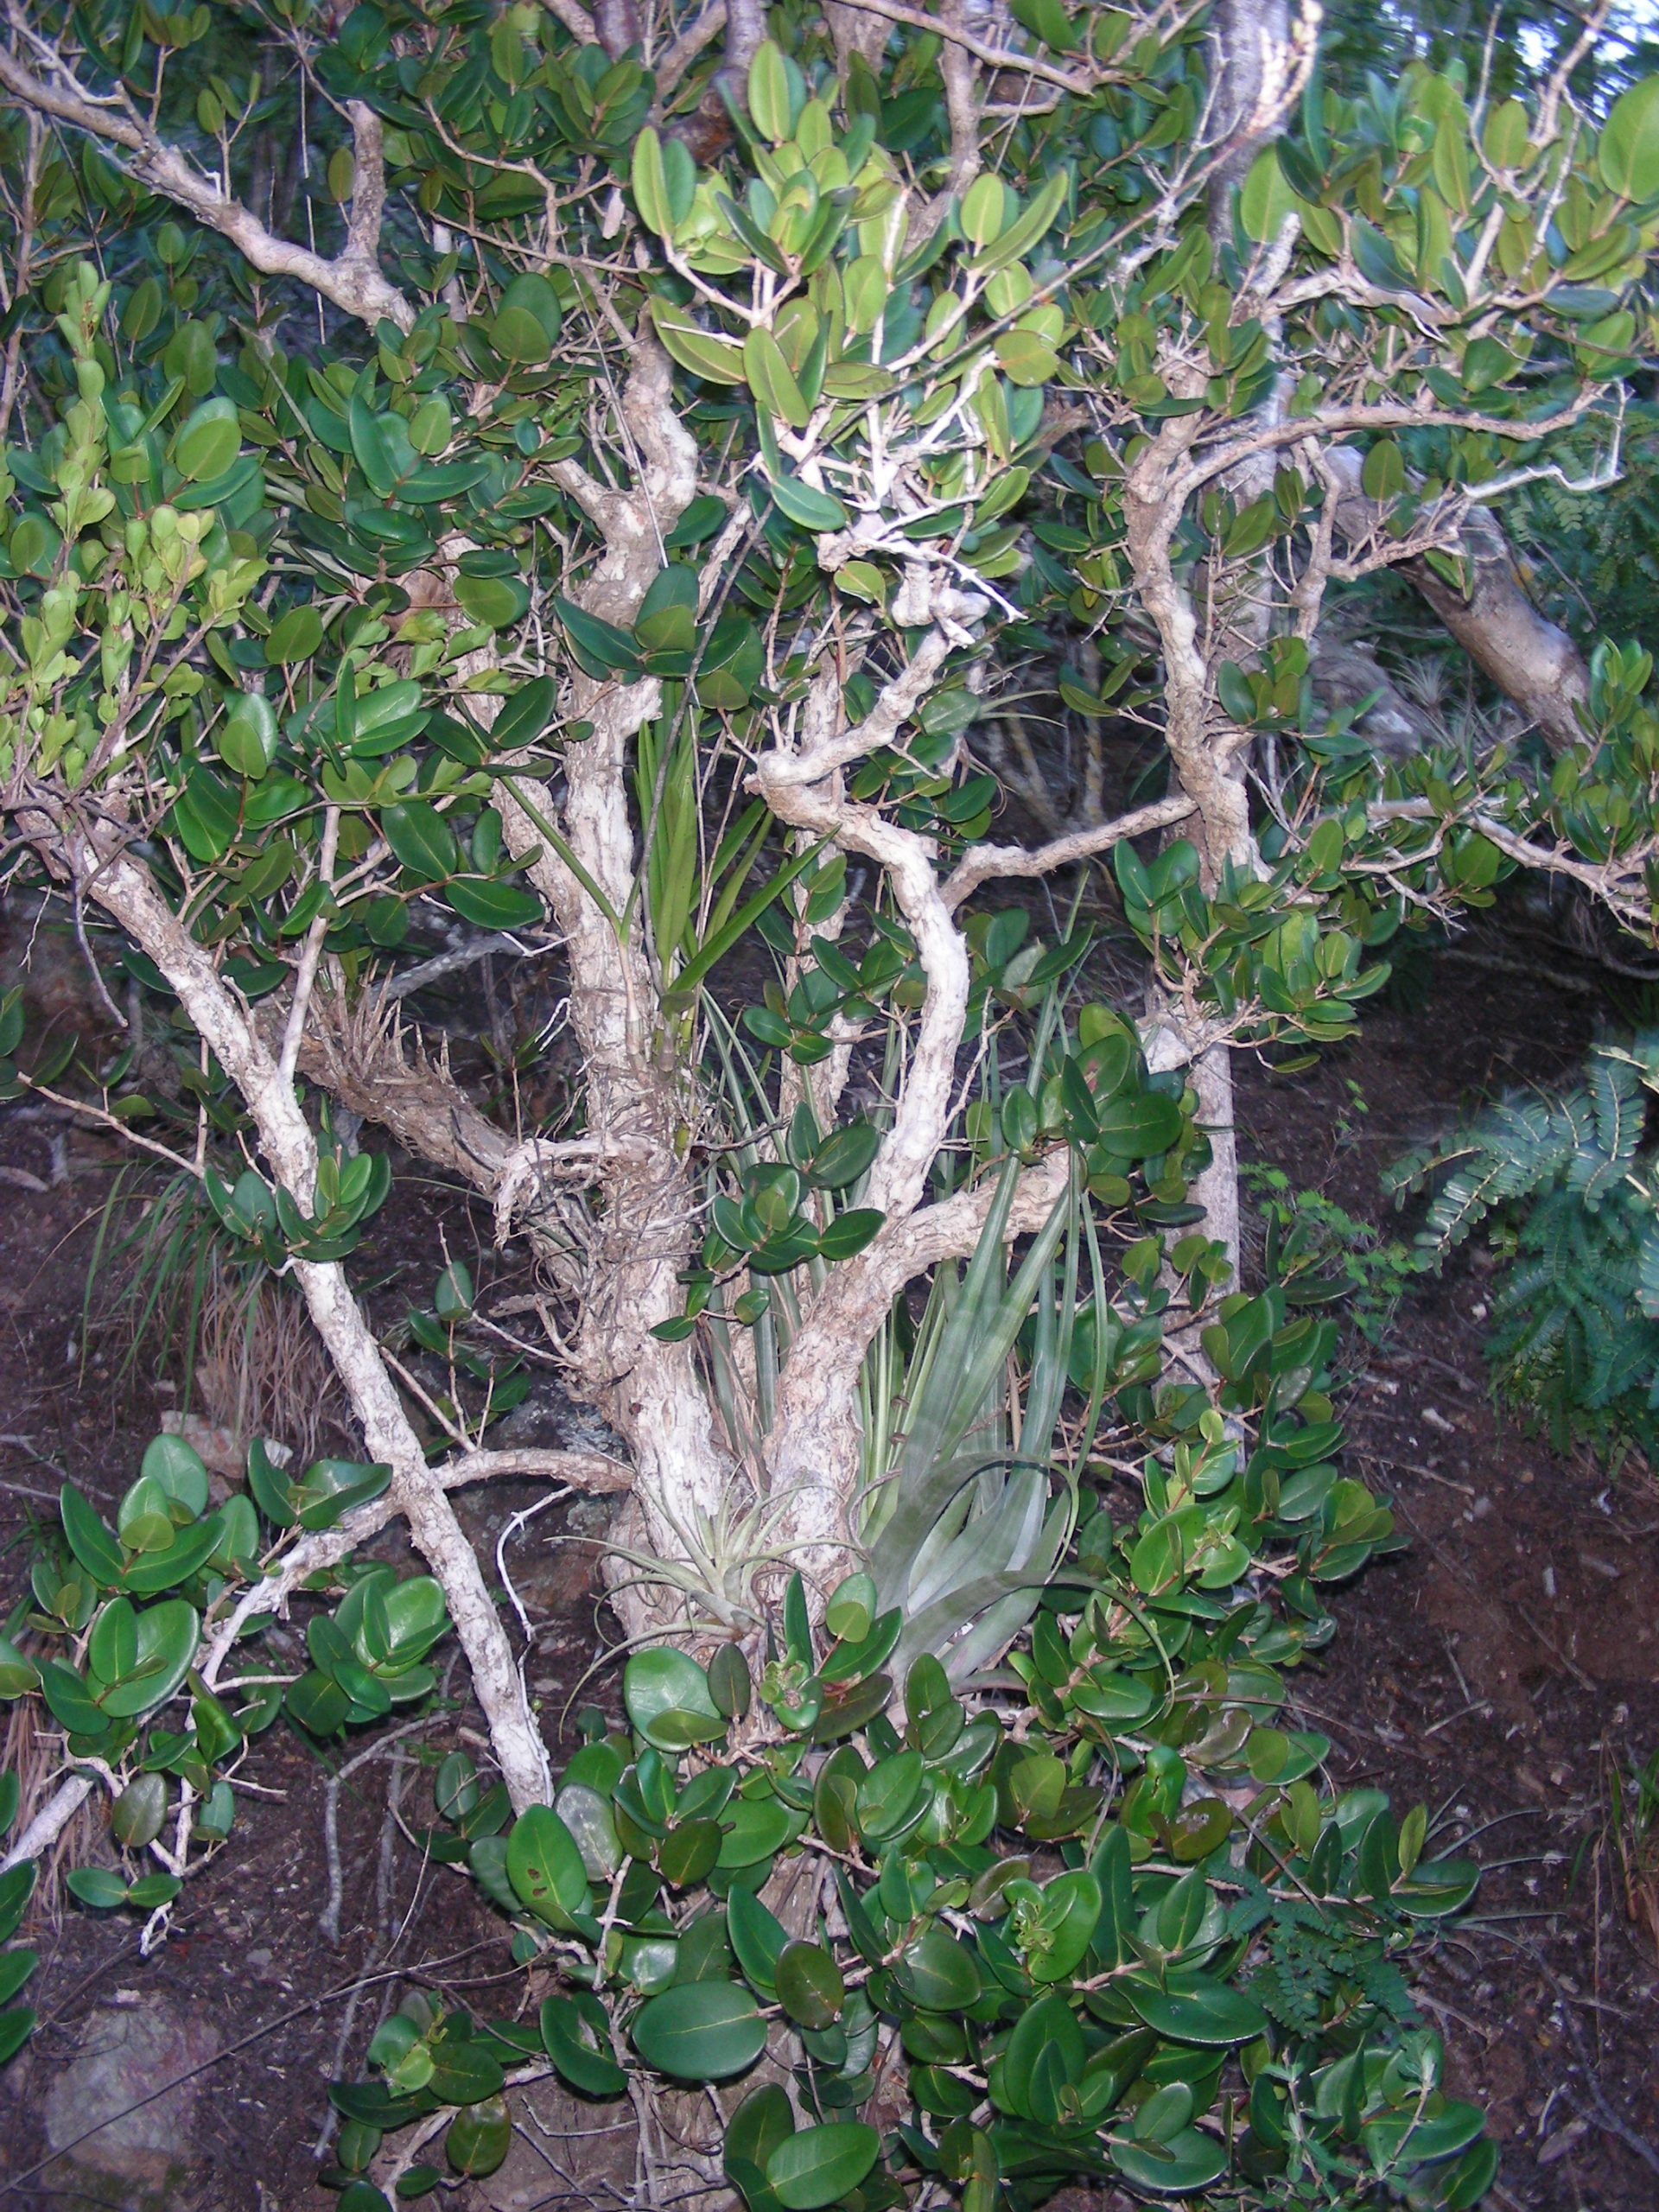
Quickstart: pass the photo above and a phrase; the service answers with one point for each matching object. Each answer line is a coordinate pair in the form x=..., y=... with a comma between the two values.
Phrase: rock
x=139, y=2157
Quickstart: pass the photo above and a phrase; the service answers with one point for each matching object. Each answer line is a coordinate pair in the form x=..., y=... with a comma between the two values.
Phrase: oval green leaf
x=703, y=2031
x=820, y=2164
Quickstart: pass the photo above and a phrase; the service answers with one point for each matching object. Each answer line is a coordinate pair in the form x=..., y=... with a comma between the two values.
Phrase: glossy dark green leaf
x=752, y=1829
x=809, y=1985
x=888, y=1796
x=96, y=1886
x=938, y=1971
x=1200, y=2010
x=668, y=1701
x=602, y=649
x=545, y=1867
x=701, y=2032
x=757, y=1940
x=294, y=637
x=575, y=2043
x=89, y=1538
x=491, y=902
x=820, y=2164
x=208, y=441
x=761, y=2122
x=730, y=1684
x=478, y=2138
x=167, y=1637
x=492, y=602
x=687, y=1854
x=17, y=1887
x=1186, y=2163
x=421, y=838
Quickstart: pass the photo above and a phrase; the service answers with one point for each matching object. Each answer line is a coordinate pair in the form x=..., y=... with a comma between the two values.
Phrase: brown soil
x=1504, y=1665
x=1498, y=1670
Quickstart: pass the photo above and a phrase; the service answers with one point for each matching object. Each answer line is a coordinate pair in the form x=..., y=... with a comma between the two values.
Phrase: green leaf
x=717, y=360
x=702, y=2032
x=330, y=1488
x=1629, y=152
x=813, y=510
x=246, y=739
x=153, y=1890
x=773, y=382
x=1011, y=245
x=371, y=448
x=850, y=1614
x=208, y=441
x=1069, y=1914
x=668, y=1699
x=463, y=2072
x=1202, y=2011
x=768, y=93
x=535, y=298
x=492, y=602
x=480, y=2138
x=1027, y=359
x=89, y=1539
x=600, y=648
x=939, y=1972
x=730, y=1683
x=525, y=716
x=167, y=1637
x=984, y=209
x=545, y=1867
x=809, y=1985
x=272, y=1492
x=421, y=838
x=820, y=2164
x=16, y=1967
x=1046, y=2054
x=761, y=2122
x=96, y=1886
x=888, y=1796
x=753, y=1829
x=1383, y=476
x=17, y=1887
x=849, y=1232
x=1186, y=2163
x=490, y=902
x=294, y=637
x=180, y=1470
x=687, y=1854
x=1265, y=200
x=757, y=1940
x=1137, y=1127
x=69, y=1701
x=18, y=1677
x=571, y=2038
x=650, y=180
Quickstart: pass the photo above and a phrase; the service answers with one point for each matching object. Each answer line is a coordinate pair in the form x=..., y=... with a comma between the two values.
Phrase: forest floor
x=1501, y=1669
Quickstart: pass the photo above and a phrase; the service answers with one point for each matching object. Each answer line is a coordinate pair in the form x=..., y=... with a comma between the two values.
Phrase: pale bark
x=353, y=279
x=123, y=887
x=636, y=1099
x=1531, y=660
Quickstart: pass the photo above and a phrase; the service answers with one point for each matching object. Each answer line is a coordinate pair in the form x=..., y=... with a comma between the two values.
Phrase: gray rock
x=138, y=2155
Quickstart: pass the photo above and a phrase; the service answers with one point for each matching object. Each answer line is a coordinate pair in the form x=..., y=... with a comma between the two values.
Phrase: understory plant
x=1565, y=1185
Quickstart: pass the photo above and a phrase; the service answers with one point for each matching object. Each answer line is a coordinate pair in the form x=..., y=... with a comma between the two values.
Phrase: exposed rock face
x=139, y=2157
